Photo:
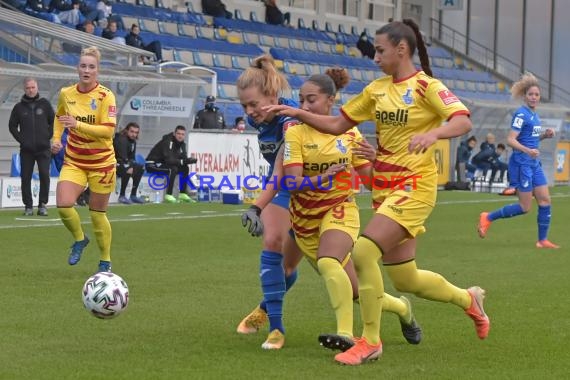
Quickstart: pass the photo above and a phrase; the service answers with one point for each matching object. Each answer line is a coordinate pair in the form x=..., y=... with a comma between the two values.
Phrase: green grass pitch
x=192, y=271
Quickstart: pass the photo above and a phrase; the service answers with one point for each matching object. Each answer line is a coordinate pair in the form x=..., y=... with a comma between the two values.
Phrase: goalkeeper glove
x=253, y=216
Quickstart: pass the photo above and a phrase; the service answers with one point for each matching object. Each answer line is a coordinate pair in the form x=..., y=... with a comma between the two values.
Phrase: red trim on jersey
x=401, y=200
x=112, y=125
x=293, y=164
x=423, y=83
x=90, y=168
x=88, y=162
x=382, y=150
x=396, y=184
x=306, y=203
x=79, y=139
x=462, y=112
x=350, y=133
x=382, y=166
x=406, y=78
x=420, y=92
x=376, y=204
x=87, y=152
x=363, y=166
x=300, y=214
x=347, y=117
x=86, y=92
x=304, y=231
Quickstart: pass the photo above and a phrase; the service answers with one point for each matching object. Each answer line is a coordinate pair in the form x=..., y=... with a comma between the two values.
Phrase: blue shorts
x=282, y=199
x=526, y=177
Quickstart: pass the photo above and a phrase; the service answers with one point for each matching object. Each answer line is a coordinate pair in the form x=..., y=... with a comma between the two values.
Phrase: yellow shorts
x=344, y=217
x=407, y=212
x=100, y=182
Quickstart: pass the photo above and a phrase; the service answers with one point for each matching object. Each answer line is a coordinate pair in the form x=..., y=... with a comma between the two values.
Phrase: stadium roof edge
x=54, y=71
x=66, y=34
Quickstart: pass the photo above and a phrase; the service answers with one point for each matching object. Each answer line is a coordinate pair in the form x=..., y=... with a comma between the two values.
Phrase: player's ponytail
x=264, y=75
x=422, y=50
x=409, y=31
x=521, y=87
x=334, y=79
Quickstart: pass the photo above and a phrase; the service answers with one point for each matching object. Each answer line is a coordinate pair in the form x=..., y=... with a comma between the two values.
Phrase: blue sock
x=543, y=220
x=506, y=212
x=272, y=276
x=289, y=282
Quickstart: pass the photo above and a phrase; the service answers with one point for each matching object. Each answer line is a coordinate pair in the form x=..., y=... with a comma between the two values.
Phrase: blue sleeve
x=519, y=119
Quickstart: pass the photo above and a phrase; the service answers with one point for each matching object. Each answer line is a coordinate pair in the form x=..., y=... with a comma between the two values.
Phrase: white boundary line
x=56, y=222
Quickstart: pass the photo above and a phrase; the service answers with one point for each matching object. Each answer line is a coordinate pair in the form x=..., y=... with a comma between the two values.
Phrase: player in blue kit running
x=259, y=86
x=525, y=169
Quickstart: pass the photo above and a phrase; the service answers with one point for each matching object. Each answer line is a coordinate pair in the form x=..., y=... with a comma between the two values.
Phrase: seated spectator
x=134, y=39
x=498, y=165
x=92, y=13
x=215, y=8
x=365, y=46
x=210, y=117
x=67, y=11
x=169, y=156
x=486, y=155
x=274, y=16
x=110, y=33
x=70, y=47
x=41, y=9
x=239, y=125
x=462, y=158
x=125, y=144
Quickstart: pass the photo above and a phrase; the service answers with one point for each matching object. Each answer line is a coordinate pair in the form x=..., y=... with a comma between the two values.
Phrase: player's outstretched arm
x=334, y=125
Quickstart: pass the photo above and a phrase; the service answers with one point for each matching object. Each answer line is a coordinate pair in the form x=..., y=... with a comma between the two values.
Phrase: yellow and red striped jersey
x=316, y=152
x=402, y=109
x=90, y=144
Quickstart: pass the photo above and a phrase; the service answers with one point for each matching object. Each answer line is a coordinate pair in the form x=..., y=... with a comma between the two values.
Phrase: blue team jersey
x=271, y=135
x=527, y=124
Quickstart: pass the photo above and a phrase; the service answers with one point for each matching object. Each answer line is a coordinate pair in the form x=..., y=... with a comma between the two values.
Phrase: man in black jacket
x=210, y=117
x=31, y=124
x=463, y=157
x=273, y=14
x=125, y=144
x=170, y=157
x=134, y=39
x=215, y=8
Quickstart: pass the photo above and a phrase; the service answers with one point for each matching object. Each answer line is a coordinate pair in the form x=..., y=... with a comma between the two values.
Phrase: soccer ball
x=105, y=295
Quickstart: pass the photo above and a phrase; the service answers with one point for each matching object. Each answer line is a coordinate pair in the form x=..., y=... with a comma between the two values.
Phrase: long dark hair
x=409, y=31
x=334, y=79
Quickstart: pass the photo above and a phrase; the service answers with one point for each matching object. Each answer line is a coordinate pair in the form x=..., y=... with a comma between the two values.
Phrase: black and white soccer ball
x=105, y=295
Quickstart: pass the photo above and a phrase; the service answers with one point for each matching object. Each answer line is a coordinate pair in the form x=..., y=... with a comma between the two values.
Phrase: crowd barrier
x=230, y=159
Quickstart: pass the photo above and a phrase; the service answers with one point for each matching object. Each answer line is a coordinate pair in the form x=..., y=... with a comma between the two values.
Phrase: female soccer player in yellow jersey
x=324, y=214
x=88, y=111
x=409, y=107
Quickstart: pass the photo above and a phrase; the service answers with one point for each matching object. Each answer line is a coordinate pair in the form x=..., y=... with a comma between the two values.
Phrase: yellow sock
x=70, y=219
x=391, y=304
x=102, y=231
x=425, y=284
x=365, y=255
x=340, y=293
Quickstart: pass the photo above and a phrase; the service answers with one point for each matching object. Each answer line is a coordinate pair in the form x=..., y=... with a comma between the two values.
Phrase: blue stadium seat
x=16, y=167
x=53, y=172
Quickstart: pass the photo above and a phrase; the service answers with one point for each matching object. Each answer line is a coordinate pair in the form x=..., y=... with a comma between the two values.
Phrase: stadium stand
x=227, y=46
